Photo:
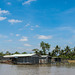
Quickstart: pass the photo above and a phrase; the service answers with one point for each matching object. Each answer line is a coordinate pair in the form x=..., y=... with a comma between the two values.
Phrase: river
x=6, y=69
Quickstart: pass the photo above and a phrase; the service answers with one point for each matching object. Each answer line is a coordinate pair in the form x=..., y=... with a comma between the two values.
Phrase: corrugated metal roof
x=44, y=55
x=18, y=55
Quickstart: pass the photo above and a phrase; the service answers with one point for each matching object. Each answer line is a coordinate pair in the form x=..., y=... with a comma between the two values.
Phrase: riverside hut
x=1, y=57
x=44, y=59
x=23, y=58
x=55, y=59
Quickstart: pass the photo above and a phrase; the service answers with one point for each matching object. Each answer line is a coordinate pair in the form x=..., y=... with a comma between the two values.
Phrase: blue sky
x=25, y=23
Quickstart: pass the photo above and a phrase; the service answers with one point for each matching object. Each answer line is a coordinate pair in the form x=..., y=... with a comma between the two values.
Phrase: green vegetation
x=66, y=53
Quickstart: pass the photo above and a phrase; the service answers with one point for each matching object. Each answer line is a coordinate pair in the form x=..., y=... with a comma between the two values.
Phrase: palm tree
x=67, y=50
x=41, y=52
x=61, y=52
x=74, y=49
x=42, y=45
x=45, y=47
x=53, y=53
x=73, y=52
x=36, y=50
x=57, y=50
x=1, y=53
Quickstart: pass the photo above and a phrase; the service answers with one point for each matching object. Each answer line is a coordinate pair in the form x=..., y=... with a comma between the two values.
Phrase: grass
x=71, y=61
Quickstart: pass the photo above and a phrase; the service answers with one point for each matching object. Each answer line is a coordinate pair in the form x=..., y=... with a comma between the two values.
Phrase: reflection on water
x=6, y=69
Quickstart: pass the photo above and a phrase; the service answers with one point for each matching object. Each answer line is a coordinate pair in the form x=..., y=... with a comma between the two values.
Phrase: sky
x=25, y=23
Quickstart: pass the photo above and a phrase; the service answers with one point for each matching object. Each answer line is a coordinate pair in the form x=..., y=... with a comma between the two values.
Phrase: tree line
x=8, y=53
x=67, y=52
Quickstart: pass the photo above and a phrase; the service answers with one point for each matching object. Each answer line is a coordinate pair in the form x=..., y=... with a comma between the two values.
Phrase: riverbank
x=71, y=61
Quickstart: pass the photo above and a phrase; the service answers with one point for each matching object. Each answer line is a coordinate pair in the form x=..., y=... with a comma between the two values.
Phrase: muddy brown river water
x=6, y=69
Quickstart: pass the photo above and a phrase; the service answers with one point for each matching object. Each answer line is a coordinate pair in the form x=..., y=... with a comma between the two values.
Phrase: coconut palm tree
x=61, y=52
x=42, y=45
x=36, y=50
x=67, y=50
x=45, y=47
x=57, y=50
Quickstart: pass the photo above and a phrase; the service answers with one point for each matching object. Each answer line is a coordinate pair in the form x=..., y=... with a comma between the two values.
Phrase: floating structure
x=55, y=59
x=1, y=57
x=30, y=59
x=4, y=60
x=44, y=59
x=23, y=58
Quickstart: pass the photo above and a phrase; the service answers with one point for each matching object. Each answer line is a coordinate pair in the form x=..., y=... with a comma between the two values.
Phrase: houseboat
x=23, y=58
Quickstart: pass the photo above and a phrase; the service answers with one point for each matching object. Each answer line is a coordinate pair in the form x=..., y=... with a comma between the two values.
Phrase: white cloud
x=28, y=2
x=8, y=3
x=17, y=34
x=3, y=36
x=3, y=11
x=27, y=45
x=2, y=18
x=44, y=37
x=37, y=26
x=27, y=25
x=14, y=21
x=24, y=39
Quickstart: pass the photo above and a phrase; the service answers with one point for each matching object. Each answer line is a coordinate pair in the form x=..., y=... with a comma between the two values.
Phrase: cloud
x=27, y=25
x=33, y=27
x=3, y=36
x=2, y=18
x=17, y=34
x=8, y=3
x=24, y=39
x=37, y=26
x=28, y=2
x=44, y=37
x=3, y=11
x=27, y=45
x=14, y=21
